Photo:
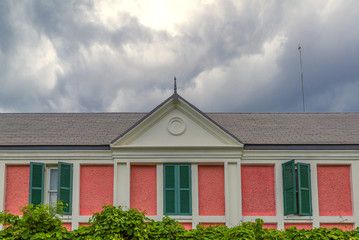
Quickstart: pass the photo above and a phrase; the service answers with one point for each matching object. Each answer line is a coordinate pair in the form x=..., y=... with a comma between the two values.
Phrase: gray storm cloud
x=85, y=56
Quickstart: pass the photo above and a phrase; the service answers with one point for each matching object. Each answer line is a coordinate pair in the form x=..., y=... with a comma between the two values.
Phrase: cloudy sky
x=228, y=56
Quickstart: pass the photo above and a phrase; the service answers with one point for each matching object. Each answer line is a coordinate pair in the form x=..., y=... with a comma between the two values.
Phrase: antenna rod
x=301, y=74
x=175, y=86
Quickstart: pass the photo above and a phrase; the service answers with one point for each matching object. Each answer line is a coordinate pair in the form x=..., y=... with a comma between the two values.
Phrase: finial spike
x=175, y=86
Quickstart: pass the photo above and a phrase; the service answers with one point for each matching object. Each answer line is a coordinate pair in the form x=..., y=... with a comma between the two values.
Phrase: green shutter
x=64, y=186
x=185, y=203
x=36, y=191
x=169, y=183
x=304, y=190
x=289, y=188
x=177, y=189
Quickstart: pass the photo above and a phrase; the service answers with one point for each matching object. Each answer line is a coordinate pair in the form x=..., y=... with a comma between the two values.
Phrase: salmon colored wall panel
x=96, y=188
x=342, y=226
x=212, y=224
x=68, y=226
x=84, y=224
x=258, y=195
x=143, y=188
x=211, y=190
x=187, y=226
x=299, y=225
x=17, y=188
x=334, y=190
x=270, y=225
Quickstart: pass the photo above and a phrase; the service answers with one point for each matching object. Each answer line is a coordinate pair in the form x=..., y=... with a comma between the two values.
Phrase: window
x=177, y=189
x=58, y=188
x=296, y=188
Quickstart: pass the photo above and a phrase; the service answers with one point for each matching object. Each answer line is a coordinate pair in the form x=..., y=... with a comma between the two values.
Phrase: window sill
x=180, y=217
x=297, y=217
x=65, y=217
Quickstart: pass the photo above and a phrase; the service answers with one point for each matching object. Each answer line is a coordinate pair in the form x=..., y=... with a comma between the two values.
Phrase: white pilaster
x=355, y=192
x=2, y=187
x=159, y=169
x=195, y=207
x=315, y=196
x=232, y=188
x=279, y=195
x=123, y=185
x=76, y=195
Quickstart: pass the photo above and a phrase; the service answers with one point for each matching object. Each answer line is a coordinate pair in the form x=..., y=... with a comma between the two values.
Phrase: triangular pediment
x=176, y=123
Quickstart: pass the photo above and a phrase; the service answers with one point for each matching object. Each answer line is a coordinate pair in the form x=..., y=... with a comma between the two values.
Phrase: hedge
x=43, y=222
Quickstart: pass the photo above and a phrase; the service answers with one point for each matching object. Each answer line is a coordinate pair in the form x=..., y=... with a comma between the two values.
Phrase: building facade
x=216, y=168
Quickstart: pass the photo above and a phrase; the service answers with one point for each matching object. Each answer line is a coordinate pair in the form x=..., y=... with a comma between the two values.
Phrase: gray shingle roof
x=251, y=128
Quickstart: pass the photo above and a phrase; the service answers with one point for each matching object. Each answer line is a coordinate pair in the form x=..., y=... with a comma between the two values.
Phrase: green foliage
x=42, y=222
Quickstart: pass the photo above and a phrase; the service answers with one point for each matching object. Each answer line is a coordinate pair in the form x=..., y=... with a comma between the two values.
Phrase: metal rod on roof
x=175, y=86
x=301, y=74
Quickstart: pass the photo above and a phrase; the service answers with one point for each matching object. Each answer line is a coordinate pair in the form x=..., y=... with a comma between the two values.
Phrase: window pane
x=53, y=179
x=53, y=198
x=184, y=176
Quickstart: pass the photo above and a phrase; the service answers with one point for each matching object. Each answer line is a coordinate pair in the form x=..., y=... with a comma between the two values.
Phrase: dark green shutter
x=304, y=189
x=289, y=188
x=184, y=190
x=64, y=186
x=169, y=183
x=177, y=189
x=36, y=191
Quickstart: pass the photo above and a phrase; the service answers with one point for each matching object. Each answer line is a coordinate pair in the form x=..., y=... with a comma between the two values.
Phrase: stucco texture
x=334, y=190
x=187, y=225
x=68, y=226
x=258, y=194
x=270, y=225
x=17, y=188
x=342, y=226
x=211, y=190
x=96, y=188
x=212, y=224
x=143, y=188
x=299, y=225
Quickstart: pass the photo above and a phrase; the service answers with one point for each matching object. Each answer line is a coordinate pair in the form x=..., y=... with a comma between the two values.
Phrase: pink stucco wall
x=342, y=226
x=96, y=188
x=334, y=190
x=211, y=190
x=299, y=225
x=187, y=225
x=212, y=224
x=270, y=225
x=143, y=188
x=258, y=195
x=17, y=188
x=68, y=226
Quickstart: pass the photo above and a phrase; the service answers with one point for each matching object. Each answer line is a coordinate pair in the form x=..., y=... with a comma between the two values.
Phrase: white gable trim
x=192, y=114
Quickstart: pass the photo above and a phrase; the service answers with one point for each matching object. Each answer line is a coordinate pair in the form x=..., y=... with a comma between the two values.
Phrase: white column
x=195, y=211
x=123, y=185
x=76, y=195
x=355, y=192
x=315, y=196
x=279, y=196
x=2, y=187
x=232, y=188
x=159, y=172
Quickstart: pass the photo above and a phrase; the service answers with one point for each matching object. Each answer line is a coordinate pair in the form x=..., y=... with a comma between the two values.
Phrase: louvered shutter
x=289, y=187
x=184, y=190
x=169, y=183
x=64, y=186
x=36, y=191
x=304, y=189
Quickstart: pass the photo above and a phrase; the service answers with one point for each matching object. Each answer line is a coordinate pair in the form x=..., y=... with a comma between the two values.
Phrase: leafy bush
x=42, y=222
